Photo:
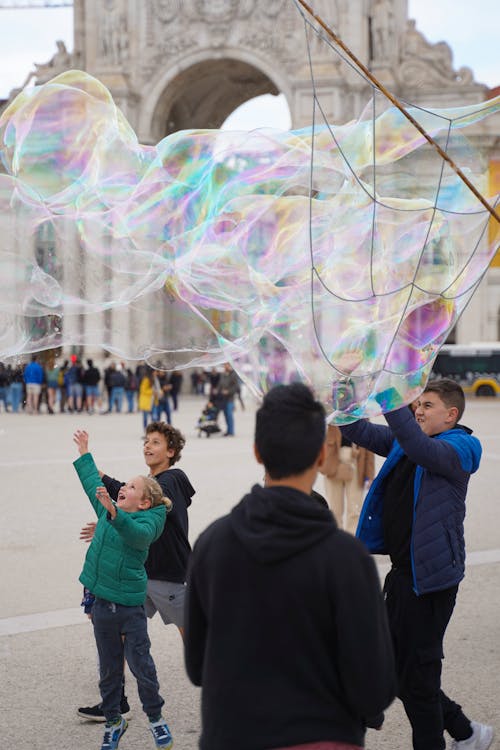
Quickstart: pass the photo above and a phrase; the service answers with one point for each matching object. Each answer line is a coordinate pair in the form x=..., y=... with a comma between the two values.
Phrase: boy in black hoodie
x=285, y=624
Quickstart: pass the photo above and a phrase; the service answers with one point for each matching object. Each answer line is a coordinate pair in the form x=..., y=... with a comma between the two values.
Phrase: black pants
x=418, y=625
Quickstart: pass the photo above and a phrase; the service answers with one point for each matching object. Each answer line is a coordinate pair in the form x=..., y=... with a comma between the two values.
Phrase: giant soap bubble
x=338, y=255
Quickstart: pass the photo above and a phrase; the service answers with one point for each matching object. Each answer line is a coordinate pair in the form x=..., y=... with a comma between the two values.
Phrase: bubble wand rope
x=380, y=86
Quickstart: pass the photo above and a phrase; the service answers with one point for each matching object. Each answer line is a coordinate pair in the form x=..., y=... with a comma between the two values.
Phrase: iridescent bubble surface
x=340, y=255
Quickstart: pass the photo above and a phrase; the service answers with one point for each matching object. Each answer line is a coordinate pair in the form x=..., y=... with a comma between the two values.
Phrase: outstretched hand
x=103, y=496
x=81, y=438
x=88, y=531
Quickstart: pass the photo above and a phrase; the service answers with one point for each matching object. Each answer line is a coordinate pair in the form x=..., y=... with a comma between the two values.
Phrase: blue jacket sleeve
x=375, y=437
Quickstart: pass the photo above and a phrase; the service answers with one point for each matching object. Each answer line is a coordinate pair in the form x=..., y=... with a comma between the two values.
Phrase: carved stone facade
x=175, y=64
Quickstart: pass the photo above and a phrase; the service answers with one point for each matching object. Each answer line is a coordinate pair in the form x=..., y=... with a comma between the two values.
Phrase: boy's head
x=289, y=430
x=440, y=406
x=140, y=493
x=163, y=445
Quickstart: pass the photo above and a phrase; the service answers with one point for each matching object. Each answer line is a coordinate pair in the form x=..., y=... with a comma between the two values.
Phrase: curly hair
x=174, y=438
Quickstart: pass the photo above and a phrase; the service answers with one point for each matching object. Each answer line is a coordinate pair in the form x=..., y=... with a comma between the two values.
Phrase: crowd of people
x=74, y=386
x=285, y=626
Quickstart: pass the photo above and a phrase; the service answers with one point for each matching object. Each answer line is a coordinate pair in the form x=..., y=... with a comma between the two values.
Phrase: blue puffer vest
x=444, y=465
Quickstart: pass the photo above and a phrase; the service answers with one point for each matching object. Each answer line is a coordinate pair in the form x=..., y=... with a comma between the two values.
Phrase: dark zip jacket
x=286, y=628
x=444, y=465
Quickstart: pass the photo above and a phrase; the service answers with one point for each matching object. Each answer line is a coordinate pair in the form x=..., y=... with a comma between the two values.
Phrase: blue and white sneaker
x=113, y=733
x=161, y=733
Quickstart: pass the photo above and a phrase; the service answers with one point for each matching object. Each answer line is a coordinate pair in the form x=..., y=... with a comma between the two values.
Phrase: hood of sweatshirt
x=275, y=523
x=180, y=483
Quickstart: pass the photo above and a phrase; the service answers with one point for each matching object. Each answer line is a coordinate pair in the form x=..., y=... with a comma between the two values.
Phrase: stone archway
x=203, y=91
x=205, y=94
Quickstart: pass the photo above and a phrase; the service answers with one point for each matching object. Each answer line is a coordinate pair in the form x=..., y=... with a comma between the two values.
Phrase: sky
x=471, y=29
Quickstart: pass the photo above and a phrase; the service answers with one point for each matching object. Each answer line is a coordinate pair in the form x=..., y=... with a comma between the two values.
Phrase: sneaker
x=161, y=733
x=481, y=739
x=113, y=733
x=94, y=713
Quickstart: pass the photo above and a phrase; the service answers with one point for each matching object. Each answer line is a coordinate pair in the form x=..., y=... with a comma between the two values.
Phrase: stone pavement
x=47, y=651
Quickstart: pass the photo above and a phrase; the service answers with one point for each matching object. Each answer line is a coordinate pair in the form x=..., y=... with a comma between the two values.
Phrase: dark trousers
x=111, y=622
x=418, y=625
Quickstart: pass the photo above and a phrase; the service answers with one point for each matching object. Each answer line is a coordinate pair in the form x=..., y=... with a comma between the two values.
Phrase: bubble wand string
x=380, y=86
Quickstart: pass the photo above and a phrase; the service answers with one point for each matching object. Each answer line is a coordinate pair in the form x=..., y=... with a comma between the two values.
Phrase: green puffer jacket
x=114, y=564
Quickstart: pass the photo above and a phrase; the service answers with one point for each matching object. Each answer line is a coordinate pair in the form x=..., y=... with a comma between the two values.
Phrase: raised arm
x=87, y=471
x=376, y=438
x=81, y=439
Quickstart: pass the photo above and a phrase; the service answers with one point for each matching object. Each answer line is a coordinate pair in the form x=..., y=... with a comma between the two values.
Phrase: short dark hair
x=175, y=439
x=449, y=391
x=289, y=430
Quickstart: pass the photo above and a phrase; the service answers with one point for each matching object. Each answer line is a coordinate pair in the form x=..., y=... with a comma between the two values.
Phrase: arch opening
x=205, y=95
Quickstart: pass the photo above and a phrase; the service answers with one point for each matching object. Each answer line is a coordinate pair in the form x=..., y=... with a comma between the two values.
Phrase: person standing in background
x=162, y=390
x=146, y=397
x=4, y=385
x=91, y=378
x=131, y=388
x=348, y=470
x=33, y=377
x=16, y=386
x=52, y=379
x=228, y=387
x=176, y=385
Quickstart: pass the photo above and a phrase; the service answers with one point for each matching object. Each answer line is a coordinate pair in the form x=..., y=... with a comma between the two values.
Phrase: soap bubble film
x=322, y=254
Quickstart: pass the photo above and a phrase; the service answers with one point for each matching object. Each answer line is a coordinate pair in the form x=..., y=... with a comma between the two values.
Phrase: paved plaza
x=47, y=651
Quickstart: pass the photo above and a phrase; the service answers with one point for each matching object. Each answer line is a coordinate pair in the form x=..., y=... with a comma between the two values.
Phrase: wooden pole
x=338, y=41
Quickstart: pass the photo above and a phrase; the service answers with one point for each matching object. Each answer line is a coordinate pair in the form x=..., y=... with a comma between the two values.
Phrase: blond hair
x=154, y=493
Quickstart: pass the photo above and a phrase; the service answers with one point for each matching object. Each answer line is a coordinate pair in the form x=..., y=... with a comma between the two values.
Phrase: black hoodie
x=168, y=556
x=286, y=629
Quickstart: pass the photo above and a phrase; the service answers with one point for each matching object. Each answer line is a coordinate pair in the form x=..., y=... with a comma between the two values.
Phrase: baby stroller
x=207, y=422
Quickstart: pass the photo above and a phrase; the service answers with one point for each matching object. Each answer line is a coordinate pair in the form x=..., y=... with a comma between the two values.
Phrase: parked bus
x=475, y=366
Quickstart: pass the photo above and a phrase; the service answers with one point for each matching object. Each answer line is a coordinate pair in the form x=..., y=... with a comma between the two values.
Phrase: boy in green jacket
x=114, y=572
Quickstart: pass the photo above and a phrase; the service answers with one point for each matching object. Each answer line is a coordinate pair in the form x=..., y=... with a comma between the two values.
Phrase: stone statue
x=114, y=35
x=58, y=63
x=382, y=29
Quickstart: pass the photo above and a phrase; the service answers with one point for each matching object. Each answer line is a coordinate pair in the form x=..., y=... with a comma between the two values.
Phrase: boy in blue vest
x=114, y=572
x=414, y=512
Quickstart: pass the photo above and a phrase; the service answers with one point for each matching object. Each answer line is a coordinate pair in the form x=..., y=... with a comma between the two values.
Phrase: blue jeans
x=111, y=622
x=16, y=395
x=228, y=409
x=130, y=400
x=117, y=394
x=162, y=406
